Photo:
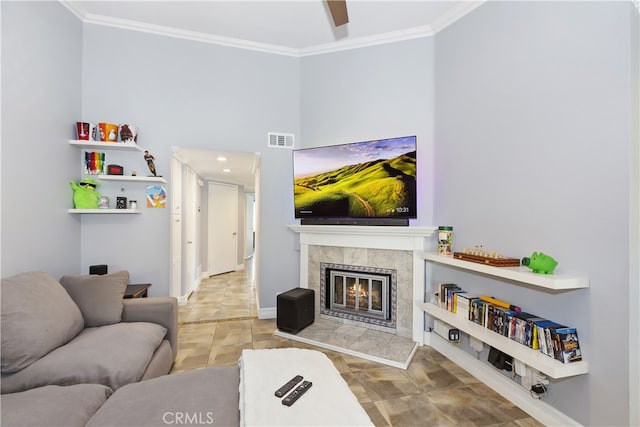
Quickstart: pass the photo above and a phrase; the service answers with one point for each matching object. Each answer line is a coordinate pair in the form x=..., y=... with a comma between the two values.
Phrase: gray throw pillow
x=99, y=297
x=37, y=316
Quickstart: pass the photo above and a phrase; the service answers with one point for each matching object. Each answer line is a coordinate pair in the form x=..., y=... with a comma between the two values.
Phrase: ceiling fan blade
x=338, y=9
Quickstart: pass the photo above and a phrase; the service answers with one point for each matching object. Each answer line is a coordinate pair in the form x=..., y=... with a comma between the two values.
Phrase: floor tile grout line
x=227, y=319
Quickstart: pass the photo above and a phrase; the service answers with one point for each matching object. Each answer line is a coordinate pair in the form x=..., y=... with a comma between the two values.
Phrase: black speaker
x=295, y=310
x=98, y=269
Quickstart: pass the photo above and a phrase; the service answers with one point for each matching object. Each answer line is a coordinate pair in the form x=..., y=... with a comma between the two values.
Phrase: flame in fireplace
x=365, y=295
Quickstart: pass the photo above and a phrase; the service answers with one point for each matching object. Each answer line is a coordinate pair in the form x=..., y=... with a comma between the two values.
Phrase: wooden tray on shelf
x=481, y=259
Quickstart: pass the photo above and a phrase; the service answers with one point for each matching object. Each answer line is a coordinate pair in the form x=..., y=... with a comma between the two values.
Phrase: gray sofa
x=68, y=345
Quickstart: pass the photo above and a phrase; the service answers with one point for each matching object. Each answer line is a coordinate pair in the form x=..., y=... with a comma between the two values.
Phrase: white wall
x=532, y=154
x=184, y=93
x=41, y=63
x=536, y=96
x=373, y=93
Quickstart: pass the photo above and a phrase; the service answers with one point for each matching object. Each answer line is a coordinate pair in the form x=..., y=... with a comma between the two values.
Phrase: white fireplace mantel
x=379, y=237
x=413, y=239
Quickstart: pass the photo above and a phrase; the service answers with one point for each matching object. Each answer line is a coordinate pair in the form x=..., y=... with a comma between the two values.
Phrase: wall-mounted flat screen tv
x=359, y=180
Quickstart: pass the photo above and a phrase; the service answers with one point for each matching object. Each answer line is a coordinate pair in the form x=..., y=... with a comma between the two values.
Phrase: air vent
x=280, y=140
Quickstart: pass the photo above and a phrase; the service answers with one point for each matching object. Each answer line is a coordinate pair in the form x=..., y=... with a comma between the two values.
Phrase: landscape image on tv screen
x=371, y=179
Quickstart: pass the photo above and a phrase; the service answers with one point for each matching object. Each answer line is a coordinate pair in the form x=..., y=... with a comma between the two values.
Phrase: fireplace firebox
x=363, y=294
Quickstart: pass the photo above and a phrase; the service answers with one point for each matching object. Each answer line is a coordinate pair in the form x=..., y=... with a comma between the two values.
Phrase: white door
x=223, y=232
x=176, y=228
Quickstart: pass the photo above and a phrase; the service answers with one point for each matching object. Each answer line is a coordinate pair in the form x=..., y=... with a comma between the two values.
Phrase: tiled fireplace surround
x=365, y=257
x=383, y=247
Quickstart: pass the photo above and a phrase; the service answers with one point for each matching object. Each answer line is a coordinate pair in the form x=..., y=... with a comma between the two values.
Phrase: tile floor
x=220, y=320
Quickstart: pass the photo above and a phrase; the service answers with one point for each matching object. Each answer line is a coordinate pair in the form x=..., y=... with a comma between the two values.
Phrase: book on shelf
x=451, y=299
x=443, y=293
x=550, y=338
x=463, y=300
x=473, y=303
x=532, y=334
x=475, y=313
x=501, y=320
x=566, y=345
x=542, y=340
x=511, y=324
x=525, y=331
x=479, y=312
x=545, y=340
x=494, y=318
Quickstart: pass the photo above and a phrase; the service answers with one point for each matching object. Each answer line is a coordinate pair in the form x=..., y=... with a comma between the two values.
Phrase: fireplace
x=397, y=248
x=356, y=293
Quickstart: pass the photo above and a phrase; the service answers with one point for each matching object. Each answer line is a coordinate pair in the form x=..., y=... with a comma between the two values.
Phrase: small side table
x=137, y=290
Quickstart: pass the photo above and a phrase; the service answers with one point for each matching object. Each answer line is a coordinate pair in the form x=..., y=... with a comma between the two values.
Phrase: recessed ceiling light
x=226, y=170
x=222, y=159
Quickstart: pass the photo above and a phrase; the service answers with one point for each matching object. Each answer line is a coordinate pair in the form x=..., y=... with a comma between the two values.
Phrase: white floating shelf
x=130, y=178
x=104, y=211
x=518, y=274
x=534, y=358
x=105, y=145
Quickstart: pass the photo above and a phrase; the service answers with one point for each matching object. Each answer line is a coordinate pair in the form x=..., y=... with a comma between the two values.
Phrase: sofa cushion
x=112, y=355
x=99, y=297
x=53, y=405
x=37, y=317
x=207, y=396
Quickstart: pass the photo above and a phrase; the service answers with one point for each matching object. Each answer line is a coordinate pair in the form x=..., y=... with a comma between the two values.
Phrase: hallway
x=222, y=297
x=220, y=320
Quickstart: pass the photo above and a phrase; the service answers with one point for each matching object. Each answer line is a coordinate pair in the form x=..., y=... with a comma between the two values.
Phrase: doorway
x=199, y=165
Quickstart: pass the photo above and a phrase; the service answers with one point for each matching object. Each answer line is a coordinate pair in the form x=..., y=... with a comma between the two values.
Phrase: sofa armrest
x=160, y=310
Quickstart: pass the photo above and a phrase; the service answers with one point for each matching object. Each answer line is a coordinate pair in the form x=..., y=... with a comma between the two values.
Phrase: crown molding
x=340, y=45
x=360, y=42
x=73, y=9
x=456, y=13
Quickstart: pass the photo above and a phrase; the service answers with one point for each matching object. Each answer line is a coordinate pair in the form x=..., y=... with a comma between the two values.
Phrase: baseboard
x=538, y=409
x=182, y=300
x=267, y=313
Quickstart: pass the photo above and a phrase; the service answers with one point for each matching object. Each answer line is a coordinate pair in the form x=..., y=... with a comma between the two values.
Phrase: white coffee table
x=329, y=401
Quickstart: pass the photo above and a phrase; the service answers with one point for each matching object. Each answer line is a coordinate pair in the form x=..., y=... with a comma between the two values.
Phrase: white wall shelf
x=130, y=178
x=534, y=358
x=105, y=145
x=518, y=274
x=104, y=211
x=122, y=178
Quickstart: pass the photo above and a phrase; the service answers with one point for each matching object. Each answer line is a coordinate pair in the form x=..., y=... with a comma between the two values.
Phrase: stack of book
x=551, y=338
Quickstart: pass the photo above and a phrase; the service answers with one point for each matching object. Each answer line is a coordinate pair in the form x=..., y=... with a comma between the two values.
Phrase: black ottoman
x=295, y=309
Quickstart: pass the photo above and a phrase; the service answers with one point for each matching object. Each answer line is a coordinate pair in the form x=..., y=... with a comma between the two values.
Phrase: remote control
x=295, y=394
x=288, y=386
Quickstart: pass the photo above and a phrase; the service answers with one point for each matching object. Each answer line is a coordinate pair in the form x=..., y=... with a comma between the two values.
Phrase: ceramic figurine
x=149, y=158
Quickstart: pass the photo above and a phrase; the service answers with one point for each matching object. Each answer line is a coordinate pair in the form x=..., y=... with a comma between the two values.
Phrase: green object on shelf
x=540, y=263
x=85, y=195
